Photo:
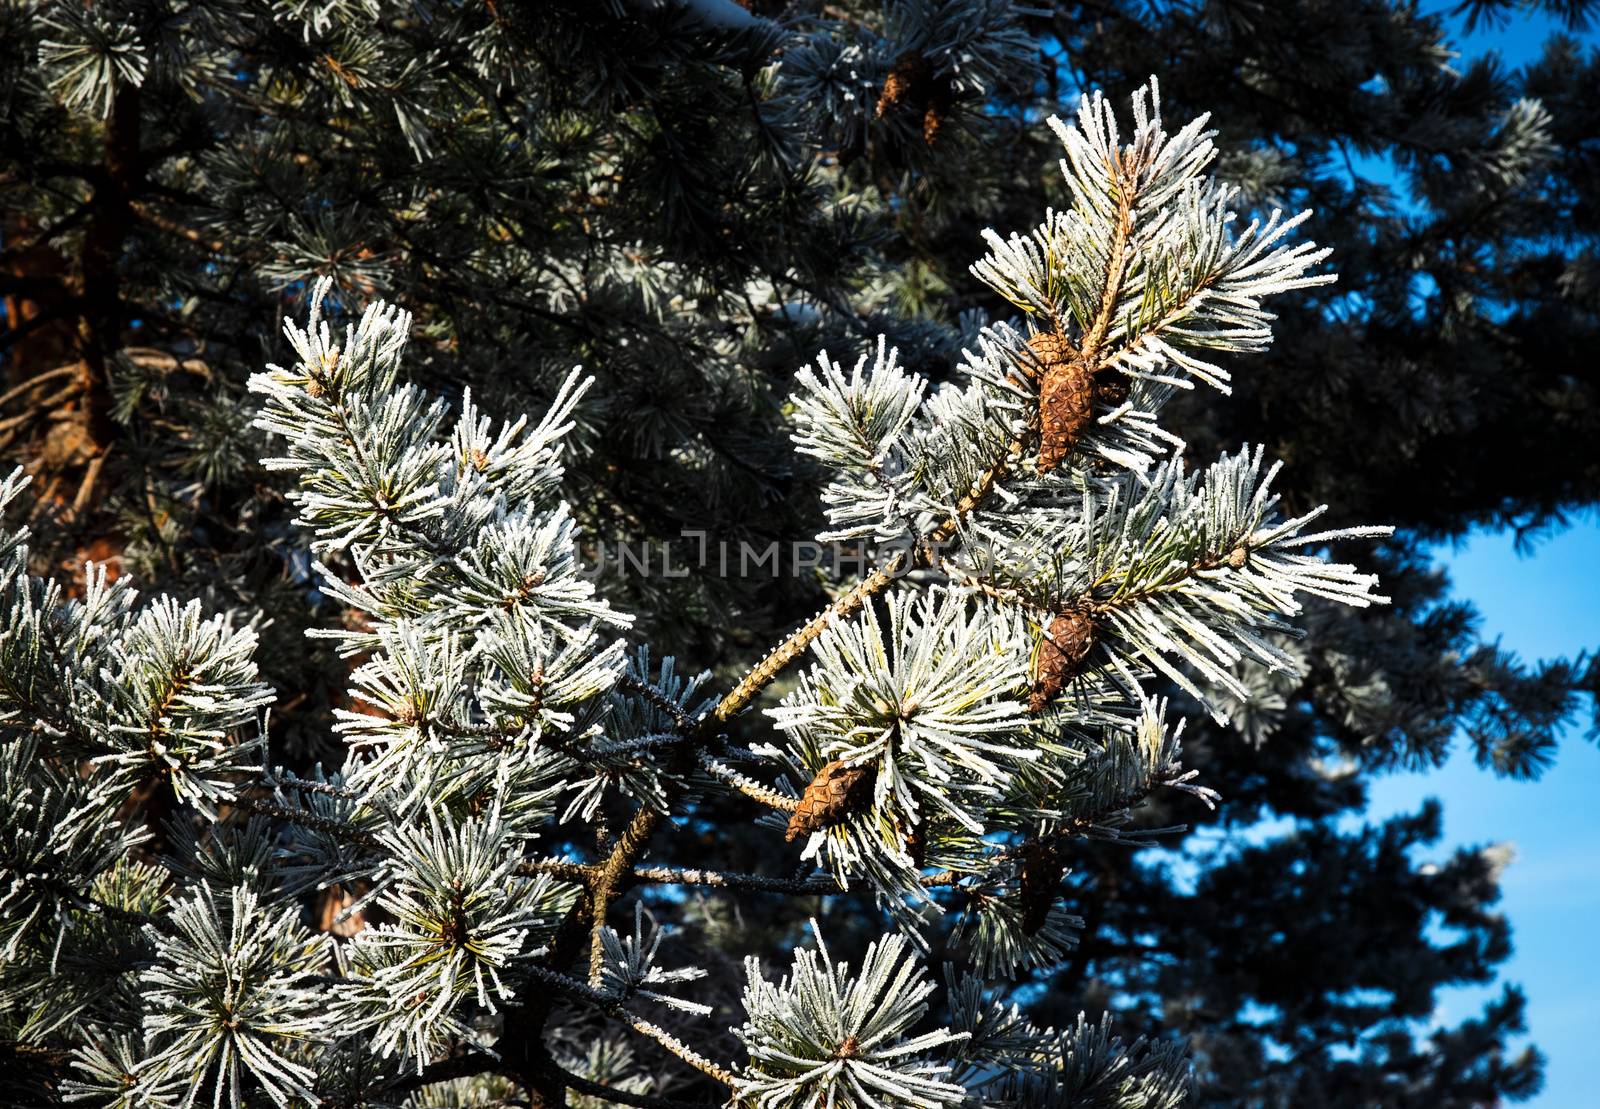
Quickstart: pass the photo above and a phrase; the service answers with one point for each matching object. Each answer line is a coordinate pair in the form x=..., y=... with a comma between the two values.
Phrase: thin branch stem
x=456, y=1066
x=721, y=879
x=659, y=700
x=613, y=1095
x=613, y=1007
x=306, y=786
x=608, y=877
x=71, y=369
x=307, y=820
x=87, y=904
x=678, y=1047
x=156, y=219
x=562, y=869
x=1089, y=348
x=715, y=879
x=747, y=785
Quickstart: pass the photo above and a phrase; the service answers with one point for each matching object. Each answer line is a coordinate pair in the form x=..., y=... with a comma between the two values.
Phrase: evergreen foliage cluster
x=352, y=811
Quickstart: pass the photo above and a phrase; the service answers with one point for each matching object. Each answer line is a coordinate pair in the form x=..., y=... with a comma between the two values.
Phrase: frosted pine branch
x=949, y=737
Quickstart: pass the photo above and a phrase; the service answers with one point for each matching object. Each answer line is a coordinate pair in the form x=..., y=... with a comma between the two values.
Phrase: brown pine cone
x=1062, y=651
x=833, y=794
x=1066, y=405
x=1049, y=350
x=1068, y=393
x=1042, y=870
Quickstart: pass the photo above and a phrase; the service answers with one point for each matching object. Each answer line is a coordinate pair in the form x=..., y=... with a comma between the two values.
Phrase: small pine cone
x=906, y=83
x=1062, y=651
x=832, y=795
x=1066, y=405
x=1042, y=870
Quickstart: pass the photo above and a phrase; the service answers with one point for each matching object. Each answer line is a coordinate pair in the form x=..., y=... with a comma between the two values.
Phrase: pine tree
x=498, y=706
x=690, y=201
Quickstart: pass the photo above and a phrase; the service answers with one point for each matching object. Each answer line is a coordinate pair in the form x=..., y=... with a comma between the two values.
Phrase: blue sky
x=1542, y=605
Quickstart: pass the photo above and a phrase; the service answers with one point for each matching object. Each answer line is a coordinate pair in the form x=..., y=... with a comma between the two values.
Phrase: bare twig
x=173, y=227
x=677, y=1047
x=565, y=870
x=721, y=879
x=38, y=379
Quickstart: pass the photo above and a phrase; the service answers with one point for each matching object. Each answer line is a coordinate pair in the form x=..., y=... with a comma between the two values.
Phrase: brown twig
x=563, y=869
x=747, y=785
x=37, y=379
x=609, y=874
x=155, y=219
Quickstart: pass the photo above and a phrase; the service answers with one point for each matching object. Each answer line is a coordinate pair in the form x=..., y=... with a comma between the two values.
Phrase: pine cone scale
x=1063, y=649
x=836, y=792
x=1066, y=405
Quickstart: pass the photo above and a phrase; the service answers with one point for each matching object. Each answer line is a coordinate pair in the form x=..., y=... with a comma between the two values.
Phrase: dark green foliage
x=618, y=185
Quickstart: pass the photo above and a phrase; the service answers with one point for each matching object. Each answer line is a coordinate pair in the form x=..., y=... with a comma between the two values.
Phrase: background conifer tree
x=690, y=201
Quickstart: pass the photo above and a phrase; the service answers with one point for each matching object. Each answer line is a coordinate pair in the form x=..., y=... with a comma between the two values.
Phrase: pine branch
x=273, y=780
x=494, y=699
x=308, y=820
x=609, y=1004
x=95, y=905
x=747, y=785
x=655, y=697
x=561, y=869
x=646, y=820
x=679, y=1048
x=1089, y=352
x=899, y=563
x=465, y=1065
x=608, y=877
x=719, y=879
